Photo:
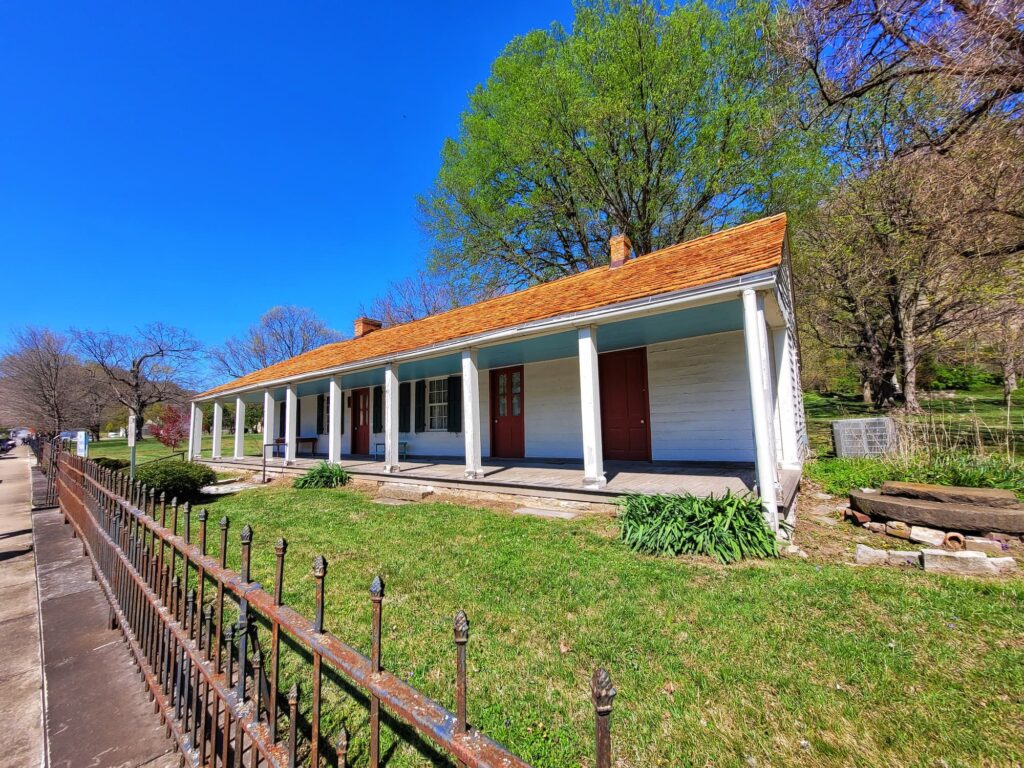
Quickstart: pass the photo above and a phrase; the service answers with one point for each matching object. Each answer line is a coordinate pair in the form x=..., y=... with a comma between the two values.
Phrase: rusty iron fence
x=44, y=495
x=193, y=627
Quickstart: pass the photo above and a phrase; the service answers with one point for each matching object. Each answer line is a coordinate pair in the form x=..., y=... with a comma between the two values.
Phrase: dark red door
x=507, y=405
x=361, y=421
x=625, y=410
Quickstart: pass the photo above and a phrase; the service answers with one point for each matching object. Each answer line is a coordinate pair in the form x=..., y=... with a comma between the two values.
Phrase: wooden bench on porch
x=299, y=442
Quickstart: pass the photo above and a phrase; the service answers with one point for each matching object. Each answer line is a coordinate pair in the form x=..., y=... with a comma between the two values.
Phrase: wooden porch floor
x=561, y=478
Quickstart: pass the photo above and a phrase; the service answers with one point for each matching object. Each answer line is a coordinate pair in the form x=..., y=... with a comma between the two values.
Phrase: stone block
x=857, y=518
x=922, y=535
x=959, y=563
x=981, y=544
x=898, y=529
x=903, y=559
x=875, y=527
x=1004, y=564
x=866, y=555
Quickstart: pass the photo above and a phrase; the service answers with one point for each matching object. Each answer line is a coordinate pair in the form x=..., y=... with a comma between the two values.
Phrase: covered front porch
x=555, y=479
x=689, y=395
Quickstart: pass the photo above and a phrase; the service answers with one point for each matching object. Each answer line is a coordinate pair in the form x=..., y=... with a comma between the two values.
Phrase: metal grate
x=857, y=438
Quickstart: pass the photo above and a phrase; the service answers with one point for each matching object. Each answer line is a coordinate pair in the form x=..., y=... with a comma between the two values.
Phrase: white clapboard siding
x=700, y=404
x=554, y=423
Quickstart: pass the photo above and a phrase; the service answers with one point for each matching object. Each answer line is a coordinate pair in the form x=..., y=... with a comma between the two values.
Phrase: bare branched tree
x=281, y=333
x=971, y=51
x=425, y=293
x=148, y=367
x=39, y=379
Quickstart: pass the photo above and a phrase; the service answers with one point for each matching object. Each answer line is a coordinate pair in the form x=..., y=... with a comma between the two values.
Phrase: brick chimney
x=621, y=248
x=365, y=325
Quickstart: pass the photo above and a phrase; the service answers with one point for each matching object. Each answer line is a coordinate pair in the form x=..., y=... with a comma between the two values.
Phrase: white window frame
x=443, y=390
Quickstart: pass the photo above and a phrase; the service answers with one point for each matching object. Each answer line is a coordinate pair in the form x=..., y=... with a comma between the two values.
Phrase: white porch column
x=590, y=402
x=391, y=418
x=195, y=433
x=785, y=402
x=471, y=414
x=239, y=427
x=334, y=409
x=217, y=428
x=268, y=420
x=291, y=405
x=757, y=372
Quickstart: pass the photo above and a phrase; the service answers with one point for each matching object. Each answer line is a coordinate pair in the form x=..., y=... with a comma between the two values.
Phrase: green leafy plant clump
x=974, y=470
x=109, y=463
x=728, y=528
x=180, y=480
x=323, y=475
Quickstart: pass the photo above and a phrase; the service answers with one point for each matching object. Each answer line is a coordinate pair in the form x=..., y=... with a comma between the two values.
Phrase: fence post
x=319, y=572
x=461, y=627
x=293, y=716
x=602, y=692
x=377, y=596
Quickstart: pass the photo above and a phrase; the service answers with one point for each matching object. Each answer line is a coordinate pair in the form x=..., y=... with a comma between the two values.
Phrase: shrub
x=994, y=470
x=181, y=480
x=173, y=427
x=323, y=475
x=728, y=528
x=107, y=462
x=960, y=377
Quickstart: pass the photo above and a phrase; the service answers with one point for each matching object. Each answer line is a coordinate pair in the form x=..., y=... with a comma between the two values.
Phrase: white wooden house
x=654, y=370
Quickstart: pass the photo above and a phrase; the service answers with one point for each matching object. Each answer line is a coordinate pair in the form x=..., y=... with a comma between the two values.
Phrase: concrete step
x=936, y=514
x=404, y=491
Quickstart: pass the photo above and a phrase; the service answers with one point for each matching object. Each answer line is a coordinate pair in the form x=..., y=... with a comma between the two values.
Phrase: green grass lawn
x=970, y=414
x=151, y=448
x=789, y=662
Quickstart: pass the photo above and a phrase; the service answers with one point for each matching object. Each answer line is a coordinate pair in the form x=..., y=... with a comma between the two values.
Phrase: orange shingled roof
x=742, y=250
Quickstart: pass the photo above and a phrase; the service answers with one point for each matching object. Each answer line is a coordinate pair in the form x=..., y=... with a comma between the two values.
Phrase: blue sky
x=197, y=163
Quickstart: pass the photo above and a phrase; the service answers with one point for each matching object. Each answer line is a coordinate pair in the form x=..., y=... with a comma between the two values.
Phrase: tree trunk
x=865, y=390
x=910, y=373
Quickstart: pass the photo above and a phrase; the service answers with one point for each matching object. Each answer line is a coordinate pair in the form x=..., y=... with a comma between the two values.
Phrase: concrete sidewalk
x=21, y=683
x=95, y=710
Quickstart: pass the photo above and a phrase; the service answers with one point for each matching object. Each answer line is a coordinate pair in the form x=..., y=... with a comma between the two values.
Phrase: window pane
x=502, y=406
x=516, y=383
x=437, y=404
x=515, y=405
x=501, y=384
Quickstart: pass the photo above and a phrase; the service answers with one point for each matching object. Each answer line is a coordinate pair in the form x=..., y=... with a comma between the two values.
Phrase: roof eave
x=708, y=293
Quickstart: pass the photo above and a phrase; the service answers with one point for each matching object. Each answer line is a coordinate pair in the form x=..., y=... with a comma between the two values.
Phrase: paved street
x=93, y=711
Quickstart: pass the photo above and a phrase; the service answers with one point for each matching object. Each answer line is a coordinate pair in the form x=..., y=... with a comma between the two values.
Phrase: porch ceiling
x=637, y=332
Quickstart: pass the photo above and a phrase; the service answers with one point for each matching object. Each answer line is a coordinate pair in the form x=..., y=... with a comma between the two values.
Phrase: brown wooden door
x=361, y=421
x=508, y=404
x=625, y=410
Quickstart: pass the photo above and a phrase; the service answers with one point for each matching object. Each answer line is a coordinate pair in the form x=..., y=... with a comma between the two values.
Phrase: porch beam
x=391, y=418
x=590, y=404
x=268, y=419
x=291, y=407
x=471, y=414
x=335, y=406
x=239, y=428
x=757, y=371
x=217, y=428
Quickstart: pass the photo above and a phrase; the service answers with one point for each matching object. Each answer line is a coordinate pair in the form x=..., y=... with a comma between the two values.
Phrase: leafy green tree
x=660, y=124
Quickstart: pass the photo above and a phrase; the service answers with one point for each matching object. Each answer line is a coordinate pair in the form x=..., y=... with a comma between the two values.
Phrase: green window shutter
x=341, y=407
x=454, y=403
x=281, y=420
x=319, y=414
x=378, y=409
x=298, y=417
x=421, y=406
x=403, y=407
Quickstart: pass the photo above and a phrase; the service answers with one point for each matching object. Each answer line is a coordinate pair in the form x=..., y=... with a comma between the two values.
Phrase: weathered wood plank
x=985, y=497
x=948, y=517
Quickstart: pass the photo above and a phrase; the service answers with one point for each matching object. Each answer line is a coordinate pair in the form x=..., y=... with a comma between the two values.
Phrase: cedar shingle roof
x=742, y=250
